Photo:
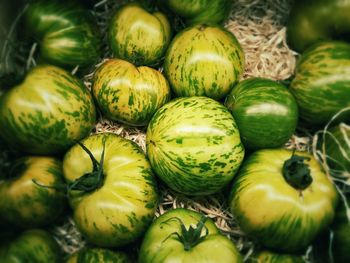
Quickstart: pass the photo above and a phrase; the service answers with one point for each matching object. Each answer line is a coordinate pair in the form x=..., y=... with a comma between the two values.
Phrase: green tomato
x=266, y=256
x=96, y=255
x=321, y=85
x=32, y=246
x=28, y=198
x=66, y=32
x=204, y=60
x=129, y=94
x=200, y=11
x=317, y=20
x=265, y=111
x=183, y=236
x=194, y=145
x=138, y=36
x=283, y=201
x=47, y=112
x=113, y=197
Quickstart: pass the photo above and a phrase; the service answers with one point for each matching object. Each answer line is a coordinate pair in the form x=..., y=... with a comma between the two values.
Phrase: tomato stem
x=296, y=172
x=189, y=237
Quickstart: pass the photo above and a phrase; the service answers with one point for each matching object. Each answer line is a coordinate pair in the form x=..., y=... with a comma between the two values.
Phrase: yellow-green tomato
x=98, y=255
x=139, y=36
x=204, y=60
x=266, y=256
x=113, y=197
x=283, y=200
x=129, y=94
x=28, y=198
x=185, y=236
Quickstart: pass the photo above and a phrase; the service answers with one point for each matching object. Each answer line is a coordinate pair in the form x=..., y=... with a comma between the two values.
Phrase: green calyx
x=192, y=236
x=296, y=172
x=89, y=182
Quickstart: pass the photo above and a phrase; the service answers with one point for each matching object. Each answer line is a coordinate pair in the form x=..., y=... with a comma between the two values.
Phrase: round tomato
x=138, y=36
x=283, y=199
x=31, y=246
x=66, y=32
x=272, y=257
x=28, y=198
x=265, y=111
x=96, y=255
x=182, y=235
x=204, y=60
x=47, y=112
x=127, y=93
x=194, y=145
x=111, y=189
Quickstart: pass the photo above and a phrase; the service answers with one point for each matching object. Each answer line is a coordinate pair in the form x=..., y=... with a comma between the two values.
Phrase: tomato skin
x=129, y=94
x=28, y=205
x=273, y=212
x=95, y=255
x=266, y=256
x=265, y=111
x=120, y=211
x=138, y=36
x=47, y=112
x=33, y=245
x=160, y=246
x=204, y=60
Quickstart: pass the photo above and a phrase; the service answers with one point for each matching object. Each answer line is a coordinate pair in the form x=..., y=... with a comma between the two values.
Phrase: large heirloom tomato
x=129, y=94
x=114, y=196
x=200, y=11
x=67, y=33
x=182, y=235
x=194, y=145
x=204, y=60
x=31, y=246
x=96, y=255
x=265, y=111
x=283, y=201
x=28, y=199
x=322, y=82
x=47, y=112
x=138, y=36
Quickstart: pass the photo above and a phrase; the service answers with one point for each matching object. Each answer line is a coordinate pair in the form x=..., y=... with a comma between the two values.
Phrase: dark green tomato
x=321, y=85
x=184, y=236
x=278, y=204
x=32, y=246
x=47, y=112
x=204, y=60
x=272, y=257
x=67, y=33
x=337, y=149
x=26, y=204
x=113, y=208
x=200, y=11
x=98, y=255
x=194, y=146
x=265, y=111
x=318, y=20
x=138, y=36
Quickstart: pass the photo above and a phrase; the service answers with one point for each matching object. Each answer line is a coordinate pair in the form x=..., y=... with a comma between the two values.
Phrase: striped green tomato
x=204, y=60
x=283, y=201
x=265, y=111
x=138, y=36
x=47, y=112
x=194, y=146
x=200, y=11
x=67, y=33
x=26, y=204
x=322, y=82
x=272, y=257
x=96, y=255
x=31, y=246
x=182, y=235
x=114, y=200
x=127, y=93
